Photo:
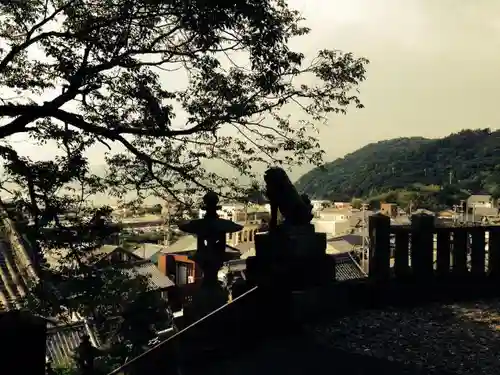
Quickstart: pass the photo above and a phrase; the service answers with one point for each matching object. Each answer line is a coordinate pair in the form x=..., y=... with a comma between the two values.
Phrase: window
x=182, y=273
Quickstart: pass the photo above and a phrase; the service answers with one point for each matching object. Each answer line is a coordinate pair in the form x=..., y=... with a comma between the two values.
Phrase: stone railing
x=423, y=251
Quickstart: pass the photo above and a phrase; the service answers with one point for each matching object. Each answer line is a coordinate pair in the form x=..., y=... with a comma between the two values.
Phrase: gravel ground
x=462, y=338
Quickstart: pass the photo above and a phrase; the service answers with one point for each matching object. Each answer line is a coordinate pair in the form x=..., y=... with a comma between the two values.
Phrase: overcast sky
x=434, y=67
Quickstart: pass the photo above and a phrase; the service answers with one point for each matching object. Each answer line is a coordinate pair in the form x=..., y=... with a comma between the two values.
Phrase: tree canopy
x=413, y=169
x=83, y=72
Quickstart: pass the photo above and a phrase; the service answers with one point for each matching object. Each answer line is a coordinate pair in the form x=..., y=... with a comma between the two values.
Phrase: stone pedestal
x=206, y=299
x=291, y=257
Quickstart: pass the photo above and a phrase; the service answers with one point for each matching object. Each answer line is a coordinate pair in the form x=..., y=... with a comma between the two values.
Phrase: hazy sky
x=435, y=67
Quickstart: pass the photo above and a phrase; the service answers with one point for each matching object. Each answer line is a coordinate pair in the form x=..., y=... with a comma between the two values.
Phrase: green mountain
x=412, y=169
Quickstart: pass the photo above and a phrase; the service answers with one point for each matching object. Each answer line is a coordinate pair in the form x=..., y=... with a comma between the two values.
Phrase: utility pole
x=365, y=242
x=462, y=218
x=450, y=175
x=455, y=208
x=166, y=224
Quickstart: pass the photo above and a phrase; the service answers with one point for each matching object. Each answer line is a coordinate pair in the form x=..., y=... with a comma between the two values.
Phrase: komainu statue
x=283, y=197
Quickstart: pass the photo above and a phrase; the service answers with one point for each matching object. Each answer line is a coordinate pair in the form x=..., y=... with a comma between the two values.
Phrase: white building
x=319, y=205
x=480, y=201
x=226, y=211
x=335, y=214
x=331, y=227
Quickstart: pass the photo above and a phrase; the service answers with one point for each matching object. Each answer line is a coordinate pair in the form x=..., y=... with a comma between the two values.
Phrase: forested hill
x=472, y=157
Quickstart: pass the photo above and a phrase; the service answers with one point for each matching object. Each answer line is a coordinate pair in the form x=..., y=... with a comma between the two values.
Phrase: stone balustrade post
x=379, y=227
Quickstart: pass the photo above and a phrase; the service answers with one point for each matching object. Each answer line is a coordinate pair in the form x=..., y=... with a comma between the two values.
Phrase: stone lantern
x=211, y=254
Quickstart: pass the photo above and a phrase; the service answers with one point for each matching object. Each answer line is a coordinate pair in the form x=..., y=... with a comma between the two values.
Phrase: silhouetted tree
x=75, y=74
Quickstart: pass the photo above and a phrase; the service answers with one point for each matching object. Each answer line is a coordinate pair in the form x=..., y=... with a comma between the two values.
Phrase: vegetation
x=428, y=173
x=76, y=74
x=61, y=370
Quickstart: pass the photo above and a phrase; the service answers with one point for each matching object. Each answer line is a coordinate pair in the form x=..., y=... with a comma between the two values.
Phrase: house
x=126, y=260
x=156, y=279
x=63, y=339
x=484, y=214
x=319, y=205
x=342, y=205
x=359, y=217
x=481, y=207
x=149, y=251
x=389, y=209
x=331, y=227
x=176, y=260
x=401, y=220
x=226, y=211
x=335, y=214
x=247, y=234
x=146, y=222
x=344, y=244
x=252, y=213
x=339, y=221
x=423, y=211
x=447, y=215
x=480, y=200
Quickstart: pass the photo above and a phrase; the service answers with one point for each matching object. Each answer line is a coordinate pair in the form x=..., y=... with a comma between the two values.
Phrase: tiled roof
x=190, y=243
x=345, y=243
x=156, y=279
x=346, y=268
x=54, y=257
x=148, y=250
x=334, y=210
x=182, y=245
x=236, y=265
x=105, y=249
x=338, y=247
x=63, y=340
x=423, y=211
